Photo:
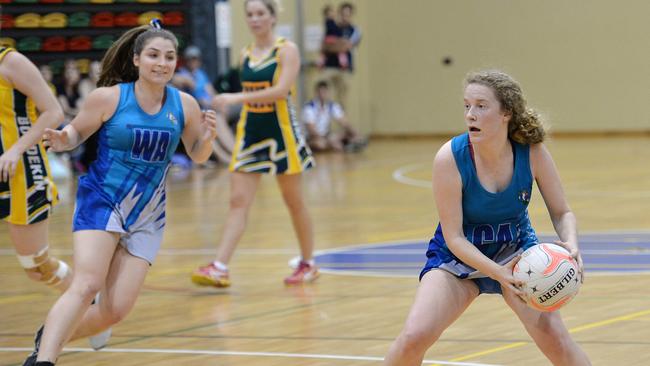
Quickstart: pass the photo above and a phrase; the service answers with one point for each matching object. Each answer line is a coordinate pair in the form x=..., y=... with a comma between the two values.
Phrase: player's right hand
x=8, y=163
x=507, y=279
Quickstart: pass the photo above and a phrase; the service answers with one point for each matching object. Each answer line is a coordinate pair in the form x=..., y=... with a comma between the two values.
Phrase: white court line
x=195, y=252
x=400, y=176
x=235, y=353
x=179, y=252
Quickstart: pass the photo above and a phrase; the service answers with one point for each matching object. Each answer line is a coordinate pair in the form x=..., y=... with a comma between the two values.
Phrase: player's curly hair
x=525, y=125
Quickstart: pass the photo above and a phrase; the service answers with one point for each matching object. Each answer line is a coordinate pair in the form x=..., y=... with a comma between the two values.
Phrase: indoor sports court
x=582, y=65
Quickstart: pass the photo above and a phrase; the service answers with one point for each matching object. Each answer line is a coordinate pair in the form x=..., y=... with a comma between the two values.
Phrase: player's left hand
x=8, y=163
x=209, y=122
x=575, y=253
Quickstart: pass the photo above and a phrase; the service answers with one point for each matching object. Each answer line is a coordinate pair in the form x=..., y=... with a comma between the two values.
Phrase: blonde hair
x=525, y=125
x=273, y=5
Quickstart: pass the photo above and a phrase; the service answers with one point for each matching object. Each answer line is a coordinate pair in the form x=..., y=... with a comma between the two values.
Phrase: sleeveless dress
x=30, y=194
x=496, y=223
x=268, y=137
x=124, y=190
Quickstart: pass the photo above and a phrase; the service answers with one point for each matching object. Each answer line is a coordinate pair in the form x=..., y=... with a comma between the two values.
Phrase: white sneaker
x=59, y=167
x=99, y=340
x=294, y=262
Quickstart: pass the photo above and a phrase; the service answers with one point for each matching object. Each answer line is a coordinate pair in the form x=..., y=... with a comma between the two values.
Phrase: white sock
x=311, y=262
x=220, y=266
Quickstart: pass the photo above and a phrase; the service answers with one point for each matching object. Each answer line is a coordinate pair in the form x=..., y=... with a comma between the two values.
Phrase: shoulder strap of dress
x=4, y=51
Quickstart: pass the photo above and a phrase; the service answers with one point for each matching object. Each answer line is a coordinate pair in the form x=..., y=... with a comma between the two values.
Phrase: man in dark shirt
x=336, y=72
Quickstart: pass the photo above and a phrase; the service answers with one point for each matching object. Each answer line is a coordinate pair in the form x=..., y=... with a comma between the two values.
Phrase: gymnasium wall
x=583, y=64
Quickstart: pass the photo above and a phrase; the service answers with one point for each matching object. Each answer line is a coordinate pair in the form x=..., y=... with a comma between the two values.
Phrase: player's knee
x=86, y=286
x=43, y=268
x=239, y=201
x=555, y=335
x=559, y=339
x=416, y=341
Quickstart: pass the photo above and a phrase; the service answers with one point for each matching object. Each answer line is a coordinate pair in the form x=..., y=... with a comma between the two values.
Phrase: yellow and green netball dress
x=30, y=193
x=268, y=138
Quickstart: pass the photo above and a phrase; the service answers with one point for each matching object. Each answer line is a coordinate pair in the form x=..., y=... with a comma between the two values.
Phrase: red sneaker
x=210, y=275
x=303, y=274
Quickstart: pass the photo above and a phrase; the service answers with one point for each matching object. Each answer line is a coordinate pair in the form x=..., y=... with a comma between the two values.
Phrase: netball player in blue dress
x=482, y=185
x=120, y=209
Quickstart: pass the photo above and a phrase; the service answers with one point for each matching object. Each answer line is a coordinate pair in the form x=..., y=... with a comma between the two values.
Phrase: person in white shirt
x=318, y=115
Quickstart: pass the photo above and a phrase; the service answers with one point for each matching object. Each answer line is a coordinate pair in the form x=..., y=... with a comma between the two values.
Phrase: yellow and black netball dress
x=30, y=193
x=268, y=138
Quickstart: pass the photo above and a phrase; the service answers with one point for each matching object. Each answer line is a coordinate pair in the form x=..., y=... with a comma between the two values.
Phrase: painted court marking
x=573, y=330
x=401, y=175
x=235, y=353
x=604, y=253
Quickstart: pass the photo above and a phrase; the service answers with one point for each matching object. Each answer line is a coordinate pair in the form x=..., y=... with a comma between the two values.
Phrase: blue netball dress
x=124, y=190
x=496, y=223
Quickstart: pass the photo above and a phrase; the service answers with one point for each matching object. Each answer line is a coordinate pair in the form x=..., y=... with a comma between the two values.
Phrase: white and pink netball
x=550, y=276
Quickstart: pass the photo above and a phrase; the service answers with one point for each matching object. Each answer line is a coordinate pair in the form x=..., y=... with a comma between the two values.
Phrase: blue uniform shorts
x=141, y=238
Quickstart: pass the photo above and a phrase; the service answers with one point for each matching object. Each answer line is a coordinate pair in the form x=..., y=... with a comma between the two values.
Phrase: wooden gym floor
x=380, y=196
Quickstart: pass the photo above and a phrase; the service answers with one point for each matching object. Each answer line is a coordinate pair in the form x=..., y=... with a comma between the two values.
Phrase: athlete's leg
x=318, y=143
x=335, y=141
x=243, y=187
x=291, y=187
x=123, y=283
x=242, y=192
x=93, y=252
x=549, y=333
x=440, y=299
x=31, y=243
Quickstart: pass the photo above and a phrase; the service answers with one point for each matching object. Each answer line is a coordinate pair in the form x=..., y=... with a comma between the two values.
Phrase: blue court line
x=612, y=252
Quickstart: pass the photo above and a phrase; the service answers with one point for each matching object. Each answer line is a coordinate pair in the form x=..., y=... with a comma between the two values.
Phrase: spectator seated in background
x=68, y=90
x=318, y=115
x=192, y=79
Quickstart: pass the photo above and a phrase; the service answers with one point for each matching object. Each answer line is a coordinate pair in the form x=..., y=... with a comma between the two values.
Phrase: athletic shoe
x=210, y=275
x=31, y=360
x=99, y=340
x=303, y=274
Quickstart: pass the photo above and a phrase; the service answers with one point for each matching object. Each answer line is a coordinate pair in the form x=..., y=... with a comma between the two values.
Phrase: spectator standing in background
x=336, y=72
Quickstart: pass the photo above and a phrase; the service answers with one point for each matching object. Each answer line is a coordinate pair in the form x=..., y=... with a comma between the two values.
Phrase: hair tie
x=155, y=23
